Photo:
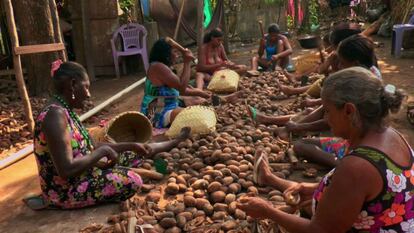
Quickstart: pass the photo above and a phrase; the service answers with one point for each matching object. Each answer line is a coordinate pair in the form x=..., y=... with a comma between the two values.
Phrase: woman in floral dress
x=69, y=172
x=372, y=188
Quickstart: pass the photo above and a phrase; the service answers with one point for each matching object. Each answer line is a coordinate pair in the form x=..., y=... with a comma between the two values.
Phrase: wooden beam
x=18, y=65
x=87, y=43
x=56, y=28
x=39, y=48
x=10, y=72
x=180, y=15
x=225, y=31
x=200, y=21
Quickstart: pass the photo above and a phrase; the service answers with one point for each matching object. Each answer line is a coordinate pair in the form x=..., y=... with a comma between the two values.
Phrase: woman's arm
x=202, y=63
x=318, y=125
x=355, y=181
x=58, y=139
x=288, y=49
x=324, y=67
x=161, y=74
x=262, y=46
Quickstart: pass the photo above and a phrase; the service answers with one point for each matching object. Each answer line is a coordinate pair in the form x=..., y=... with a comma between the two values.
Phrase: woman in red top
x=212, y=57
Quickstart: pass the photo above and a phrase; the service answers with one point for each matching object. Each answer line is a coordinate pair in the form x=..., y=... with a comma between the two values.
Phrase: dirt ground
x=20, y=179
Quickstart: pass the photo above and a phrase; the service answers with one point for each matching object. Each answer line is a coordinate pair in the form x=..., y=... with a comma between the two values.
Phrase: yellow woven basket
x=224, y=81
x=315, y=89
x=201, y=120
x=306, y=62
x=131, y=126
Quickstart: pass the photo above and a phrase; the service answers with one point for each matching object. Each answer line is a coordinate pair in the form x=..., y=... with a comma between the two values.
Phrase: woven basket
x=129, y=126
x=224, y=81
x=306, y=62
x=201, y=120
x=315, y=89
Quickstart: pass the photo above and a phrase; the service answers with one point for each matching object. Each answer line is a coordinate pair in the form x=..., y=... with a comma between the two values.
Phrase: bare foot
x=263, y=169
x=232, y=98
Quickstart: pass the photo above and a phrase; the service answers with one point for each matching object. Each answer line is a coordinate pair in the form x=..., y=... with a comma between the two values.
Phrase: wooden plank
x=41, y=48
x=180, y=15
x=18, y=66
x=56, y=28
x=200, y=21
x=10, y=72
x=87, y=43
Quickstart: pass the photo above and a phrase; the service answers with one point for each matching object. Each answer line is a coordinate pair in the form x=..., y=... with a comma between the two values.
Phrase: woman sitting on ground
x=212, y=57
x=372, y=186
x=356, y=50
x=277, y=48
x=163, y=85
x=331, y=64
x=70, y=173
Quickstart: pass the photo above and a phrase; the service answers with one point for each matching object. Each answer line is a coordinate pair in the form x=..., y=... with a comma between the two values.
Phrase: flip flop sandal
x=410, y=112
x=253, y=112
x=35, y=202
x=141, y=228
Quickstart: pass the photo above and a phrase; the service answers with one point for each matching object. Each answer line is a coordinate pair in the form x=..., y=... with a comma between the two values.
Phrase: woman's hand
x=305, y=190
x=291, y=126
x=228, y=64
x=109, y=153
x=188, y=56
x=275, y=57
x=205, y=94
x=141, y=149
x=255, y=207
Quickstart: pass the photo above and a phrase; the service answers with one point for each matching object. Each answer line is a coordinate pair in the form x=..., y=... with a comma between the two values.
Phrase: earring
x=73, y=96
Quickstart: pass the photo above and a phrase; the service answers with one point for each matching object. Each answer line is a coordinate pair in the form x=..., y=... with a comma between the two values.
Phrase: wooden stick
x=132, y=224
x=39, y=48
x=18, y=66
x=56, y=28
x=174, y=44
x=180, y=15
x=261, y=28
x=200, y=21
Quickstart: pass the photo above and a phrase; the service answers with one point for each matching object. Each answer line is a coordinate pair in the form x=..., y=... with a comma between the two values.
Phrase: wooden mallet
x=261, y=28
x=176, y=45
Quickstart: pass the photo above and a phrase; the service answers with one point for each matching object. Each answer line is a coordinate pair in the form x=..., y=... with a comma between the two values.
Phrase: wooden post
x=225, y=31
x=56, y=28
x=180, y=15
x=18, y=65
x=87, y=39
x=200, y=21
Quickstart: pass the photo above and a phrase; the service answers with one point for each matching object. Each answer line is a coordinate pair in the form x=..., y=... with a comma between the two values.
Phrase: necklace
x=77, y=121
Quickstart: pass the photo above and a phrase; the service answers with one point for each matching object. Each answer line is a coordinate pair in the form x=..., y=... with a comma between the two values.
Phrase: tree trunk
x=296, y=19
x=305, y=25
x=35, y=26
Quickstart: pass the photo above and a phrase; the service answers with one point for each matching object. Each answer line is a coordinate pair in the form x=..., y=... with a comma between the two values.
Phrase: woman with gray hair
x=371, y=188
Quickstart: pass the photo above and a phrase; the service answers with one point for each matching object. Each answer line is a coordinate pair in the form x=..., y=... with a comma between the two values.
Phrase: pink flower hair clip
x=55, y=66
